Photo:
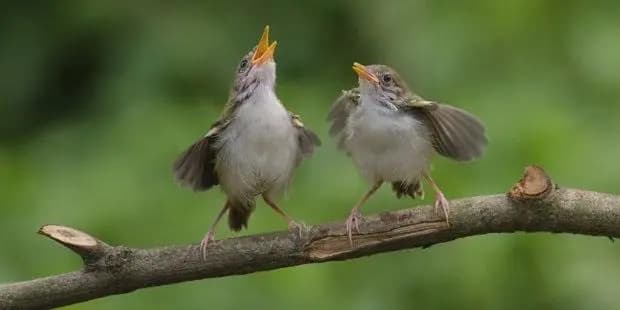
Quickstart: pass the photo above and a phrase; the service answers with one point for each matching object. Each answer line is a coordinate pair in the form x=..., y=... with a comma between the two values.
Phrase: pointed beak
x=264, y=50
x=363, y=72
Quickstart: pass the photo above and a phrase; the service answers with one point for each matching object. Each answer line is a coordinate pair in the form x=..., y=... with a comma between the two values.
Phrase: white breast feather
x=258, y=148
x=387, y=145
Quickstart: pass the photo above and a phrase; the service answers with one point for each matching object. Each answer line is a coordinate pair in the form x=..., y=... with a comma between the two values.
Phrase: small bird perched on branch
x=252, y=149
x=392, y=133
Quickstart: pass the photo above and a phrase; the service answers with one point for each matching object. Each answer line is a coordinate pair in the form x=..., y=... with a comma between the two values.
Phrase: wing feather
x=340, y=111
x=307, y=140
x=195, y=167
x=457, y=134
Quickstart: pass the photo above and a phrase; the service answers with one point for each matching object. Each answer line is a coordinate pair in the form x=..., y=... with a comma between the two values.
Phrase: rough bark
x=534, y=204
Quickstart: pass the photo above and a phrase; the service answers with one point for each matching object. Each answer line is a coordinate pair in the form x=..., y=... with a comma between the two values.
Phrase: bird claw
x=442, y=203
x=209, y=237
x=300, y=227
x=353, y=220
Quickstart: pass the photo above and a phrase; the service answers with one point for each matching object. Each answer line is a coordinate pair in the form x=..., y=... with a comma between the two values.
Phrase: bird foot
x=300, y=228
x=209, y=238
x=442, y=203
x=353, y=221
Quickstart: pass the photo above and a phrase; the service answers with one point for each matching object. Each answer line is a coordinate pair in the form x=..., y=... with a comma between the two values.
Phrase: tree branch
x=534, y=204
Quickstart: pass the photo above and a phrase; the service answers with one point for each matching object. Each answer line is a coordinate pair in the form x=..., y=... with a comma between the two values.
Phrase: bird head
x=257, y=66
x=380, y=83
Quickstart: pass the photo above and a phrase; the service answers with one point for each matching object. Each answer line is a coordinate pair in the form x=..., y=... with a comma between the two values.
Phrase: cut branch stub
x=535, y=184
x=85, y=245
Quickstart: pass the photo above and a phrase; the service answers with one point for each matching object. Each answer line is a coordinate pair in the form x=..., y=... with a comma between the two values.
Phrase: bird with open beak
x=252, y=149
x=391, y=134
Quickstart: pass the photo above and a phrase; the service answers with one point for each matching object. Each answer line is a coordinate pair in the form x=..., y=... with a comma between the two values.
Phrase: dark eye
x=387, y=78
x=243, y=65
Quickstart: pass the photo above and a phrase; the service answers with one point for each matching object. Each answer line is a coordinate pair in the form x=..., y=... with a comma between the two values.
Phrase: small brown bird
x=252, y=149
x=391, y=134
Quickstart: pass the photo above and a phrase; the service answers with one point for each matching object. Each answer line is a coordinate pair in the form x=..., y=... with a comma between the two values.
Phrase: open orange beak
x=363, y=72
x=264, y=50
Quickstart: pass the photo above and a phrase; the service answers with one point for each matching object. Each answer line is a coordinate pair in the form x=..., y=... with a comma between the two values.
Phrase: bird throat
x=382, y=102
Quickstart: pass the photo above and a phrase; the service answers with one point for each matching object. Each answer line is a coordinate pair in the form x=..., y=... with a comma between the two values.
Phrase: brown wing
x=340, y=111
x=457, y=134
x=195, y=168
x=306, y=138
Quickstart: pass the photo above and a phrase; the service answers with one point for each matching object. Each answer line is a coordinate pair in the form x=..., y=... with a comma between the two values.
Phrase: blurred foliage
x=98, y=97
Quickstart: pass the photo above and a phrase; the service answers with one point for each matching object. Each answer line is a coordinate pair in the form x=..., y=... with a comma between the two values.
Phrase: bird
x=252, y=149
x=392, y=134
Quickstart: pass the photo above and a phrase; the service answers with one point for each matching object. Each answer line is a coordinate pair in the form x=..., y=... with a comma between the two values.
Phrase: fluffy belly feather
x=258, y=151
x=388, y=147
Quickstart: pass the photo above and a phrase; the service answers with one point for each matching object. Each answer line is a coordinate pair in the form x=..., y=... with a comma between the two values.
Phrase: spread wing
x=195, y=168
x=307, y=140
x=340, y=111
x=457, y=134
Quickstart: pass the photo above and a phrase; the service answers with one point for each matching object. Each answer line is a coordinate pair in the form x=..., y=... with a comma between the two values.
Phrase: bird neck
x=264, y=95
x=265, y=74
x=374, y=101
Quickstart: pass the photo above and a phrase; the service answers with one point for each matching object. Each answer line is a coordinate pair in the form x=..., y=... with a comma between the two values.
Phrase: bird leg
x=210, y=236
x=440, y=198
x=355, y=216
x=292, y=225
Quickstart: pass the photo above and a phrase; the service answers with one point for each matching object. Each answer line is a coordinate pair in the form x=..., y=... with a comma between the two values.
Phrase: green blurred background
x=97, y=98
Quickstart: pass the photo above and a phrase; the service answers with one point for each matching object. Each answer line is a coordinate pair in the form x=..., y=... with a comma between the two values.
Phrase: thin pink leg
x=210, y=236
x=292, y=225
x=356, y=216
x=440, y=199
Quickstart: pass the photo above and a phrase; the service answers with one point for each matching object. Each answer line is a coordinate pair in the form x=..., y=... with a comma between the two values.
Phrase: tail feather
x=413, y=189
x=239, y=213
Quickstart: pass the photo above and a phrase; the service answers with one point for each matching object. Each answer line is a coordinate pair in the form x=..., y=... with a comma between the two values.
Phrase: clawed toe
x=353, y=221
x=299, y=227
x=441, y=203
x=209, y=238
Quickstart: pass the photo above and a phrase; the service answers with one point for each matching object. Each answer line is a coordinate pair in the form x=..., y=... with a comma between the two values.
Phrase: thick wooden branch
x=534, y=204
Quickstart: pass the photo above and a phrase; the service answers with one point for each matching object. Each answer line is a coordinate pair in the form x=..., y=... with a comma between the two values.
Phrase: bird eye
x=387, y=78
x=244, y=65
